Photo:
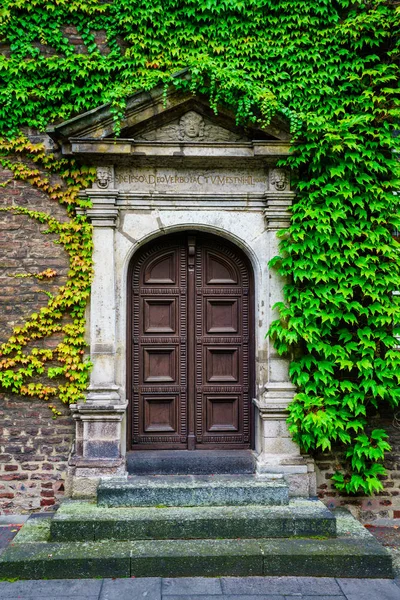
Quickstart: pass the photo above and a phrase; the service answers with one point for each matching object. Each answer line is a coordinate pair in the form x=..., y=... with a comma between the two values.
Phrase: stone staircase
x=194, y=525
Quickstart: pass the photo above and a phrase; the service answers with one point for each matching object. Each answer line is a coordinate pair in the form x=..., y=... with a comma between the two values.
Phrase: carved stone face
x=191, y=126
x=279, y=179
x=103, y=177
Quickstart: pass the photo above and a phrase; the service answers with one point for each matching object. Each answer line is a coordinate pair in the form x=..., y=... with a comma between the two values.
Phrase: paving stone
x=281, y=585
x=319, y=597
x=146, y=588
x=7, y=533
x=191, y=585
x=15, y=589
x=369, y=589
x=230, y=597
x=65, y=587
x=67, y=597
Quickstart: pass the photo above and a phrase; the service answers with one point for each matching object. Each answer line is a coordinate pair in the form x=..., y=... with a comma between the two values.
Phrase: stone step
x=354, y=553
x=83, y=521
x=192, y=490
x=187, y=462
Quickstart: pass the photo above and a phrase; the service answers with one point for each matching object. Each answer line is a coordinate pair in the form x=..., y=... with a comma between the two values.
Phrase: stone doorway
x=190, y=344
x=176, y=168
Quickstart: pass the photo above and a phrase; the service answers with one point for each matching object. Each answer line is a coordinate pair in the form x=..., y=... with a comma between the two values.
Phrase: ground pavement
x=201, y=588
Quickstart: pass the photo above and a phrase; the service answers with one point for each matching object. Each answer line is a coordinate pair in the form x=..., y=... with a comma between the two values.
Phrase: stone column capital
x=85, y=411
x=104, y=210
x=275, y=400
x=276, y=213
x=103, y=395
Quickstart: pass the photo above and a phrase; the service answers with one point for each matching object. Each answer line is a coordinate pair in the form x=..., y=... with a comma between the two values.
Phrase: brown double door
x=190, y=344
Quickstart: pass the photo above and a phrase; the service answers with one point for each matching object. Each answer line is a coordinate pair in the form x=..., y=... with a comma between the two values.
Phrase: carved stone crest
x=103, y=177
x=191, y=127
x=279, y=178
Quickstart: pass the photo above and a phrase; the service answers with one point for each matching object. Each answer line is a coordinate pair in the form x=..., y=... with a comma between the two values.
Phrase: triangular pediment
x=173, y=117
x=190, y=127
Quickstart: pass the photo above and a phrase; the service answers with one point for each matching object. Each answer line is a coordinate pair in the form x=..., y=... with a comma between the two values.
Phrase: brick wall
x=75, y=39
x=34, y=448
x=34, y=454
x=386, y=504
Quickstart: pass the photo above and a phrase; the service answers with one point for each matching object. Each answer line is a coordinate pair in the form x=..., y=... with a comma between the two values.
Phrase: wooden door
x=190, y=344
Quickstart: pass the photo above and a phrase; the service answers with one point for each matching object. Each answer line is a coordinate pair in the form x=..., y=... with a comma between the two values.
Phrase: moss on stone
x=34, y=530
x=84, y=521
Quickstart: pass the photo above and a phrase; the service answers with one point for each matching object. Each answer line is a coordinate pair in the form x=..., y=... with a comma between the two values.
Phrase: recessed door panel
x=159, y=315
x=162, y=269
x=222, y=413
x=159, y=364
x=222, y=316
x=222, y=364
x=160, y=414
x=219, y=270
x=190, y=344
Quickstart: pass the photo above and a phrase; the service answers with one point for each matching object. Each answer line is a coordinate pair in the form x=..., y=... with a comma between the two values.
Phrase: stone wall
x=34, y=448
x=386, y=504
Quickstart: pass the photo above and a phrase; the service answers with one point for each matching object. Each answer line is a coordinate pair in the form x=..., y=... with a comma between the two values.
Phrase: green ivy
x=331, y=68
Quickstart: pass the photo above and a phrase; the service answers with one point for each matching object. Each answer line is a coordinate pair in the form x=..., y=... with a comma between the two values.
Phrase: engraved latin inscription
x=144, y=179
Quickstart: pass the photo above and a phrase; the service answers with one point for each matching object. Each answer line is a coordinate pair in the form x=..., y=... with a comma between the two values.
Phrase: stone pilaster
x=279, y=454
x=98, y=421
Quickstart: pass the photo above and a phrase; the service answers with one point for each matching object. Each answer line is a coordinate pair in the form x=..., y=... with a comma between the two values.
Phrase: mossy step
x=83, y=521
x=355, y=553
x=192, y=490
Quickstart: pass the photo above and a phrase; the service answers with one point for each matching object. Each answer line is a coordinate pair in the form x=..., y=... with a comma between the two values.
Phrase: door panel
x=162, y=269
x=159, y=362
x=222, y=341
x=219, y=270
x=222, y=364
x=160, y=413
x=190, y=340
x=222, y=413
x=159, y=315
x=222, y=315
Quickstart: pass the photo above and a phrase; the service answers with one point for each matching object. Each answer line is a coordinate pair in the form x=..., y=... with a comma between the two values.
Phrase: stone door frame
x=230, y=188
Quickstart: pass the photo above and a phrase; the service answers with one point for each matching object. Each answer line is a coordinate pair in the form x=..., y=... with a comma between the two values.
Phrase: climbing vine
x=331, y=68
x=23, y=365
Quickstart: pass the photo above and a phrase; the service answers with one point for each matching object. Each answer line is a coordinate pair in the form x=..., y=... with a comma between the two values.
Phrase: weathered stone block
x=186, y=490
x=86, y=521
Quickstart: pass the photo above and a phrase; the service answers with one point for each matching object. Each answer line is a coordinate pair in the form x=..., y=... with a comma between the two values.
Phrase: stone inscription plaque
x=206, y=181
